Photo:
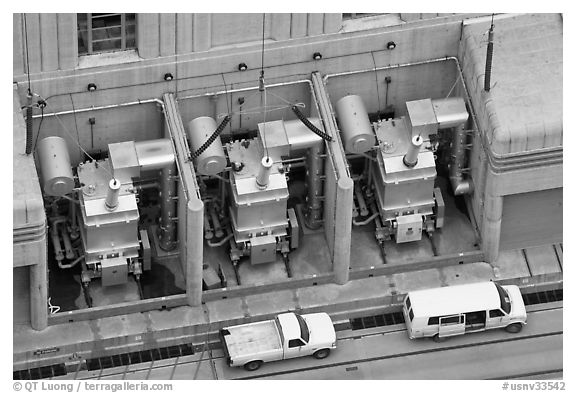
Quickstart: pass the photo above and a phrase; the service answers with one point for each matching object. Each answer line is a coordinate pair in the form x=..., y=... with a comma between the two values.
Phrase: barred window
x=106, y=32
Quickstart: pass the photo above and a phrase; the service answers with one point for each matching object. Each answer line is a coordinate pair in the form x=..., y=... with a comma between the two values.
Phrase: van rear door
x=451, y=325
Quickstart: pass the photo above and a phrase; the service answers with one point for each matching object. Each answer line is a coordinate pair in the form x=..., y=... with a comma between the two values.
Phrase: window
x=450, y=320
x=408, y=304
x=295, y=343
x=357, y=15
x=504, y=299
x=496, y=313
x=304, y=333
x=106, y=32
x=411, y=314
x=433, y=321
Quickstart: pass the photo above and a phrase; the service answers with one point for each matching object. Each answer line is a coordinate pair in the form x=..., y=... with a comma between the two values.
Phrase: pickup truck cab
x=287, y=336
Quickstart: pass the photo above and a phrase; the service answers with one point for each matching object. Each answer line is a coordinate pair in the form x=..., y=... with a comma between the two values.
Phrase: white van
x=459, y=309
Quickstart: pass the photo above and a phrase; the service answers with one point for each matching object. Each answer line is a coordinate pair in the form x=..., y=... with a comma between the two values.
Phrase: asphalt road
x=386, y=353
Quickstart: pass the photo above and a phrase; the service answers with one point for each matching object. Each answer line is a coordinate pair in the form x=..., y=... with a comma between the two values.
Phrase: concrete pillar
x=184, y=34
x=343, y=229
x=194, y=251
x=67, y=41
x=299, y=25
x=202, y=32
x=17, y=45
x=49, y=41
x=491, y=226
x=332, y=23
x=315, y=24
x=39, y=295
x=167, y=34
x=148, y=35
x=280, y=29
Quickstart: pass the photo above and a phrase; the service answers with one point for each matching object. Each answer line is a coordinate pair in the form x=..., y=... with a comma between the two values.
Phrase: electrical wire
x=377, y=88
x=39, y=127
x=27, y=59
x=71, y=136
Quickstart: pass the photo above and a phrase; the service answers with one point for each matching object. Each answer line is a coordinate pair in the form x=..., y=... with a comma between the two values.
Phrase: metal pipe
x=366, y=221
x=314, y=183
x=361, y=202
x=74, y=230
x=70, y=265
x=99, y=108
x=67, y=242
x=159, y=154
x=59, y=254
x=221, y=242
x=146, y=186
x=460, y=186
x=207, y=228
x=243, y=89
x=218, y=232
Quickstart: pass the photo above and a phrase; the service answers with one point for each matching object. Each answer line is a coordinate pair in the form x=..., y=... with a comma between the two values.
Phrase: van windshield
x=504, y=299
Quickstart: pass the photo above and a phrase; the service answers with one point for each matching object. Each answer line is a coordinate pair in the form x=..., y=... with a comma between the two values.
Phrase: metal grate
x=395, y=318
x=554, y=295
x=51, y=371
x=149, y=355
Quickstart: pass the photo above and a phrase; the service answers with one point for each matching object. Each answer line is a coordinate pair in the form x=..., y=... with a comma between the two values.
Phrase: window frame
x=90, y=41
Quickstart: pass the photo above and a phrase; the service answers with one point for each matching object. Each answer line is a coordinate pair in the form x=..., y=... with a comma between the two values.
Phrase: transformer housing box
x=422, y=118
x=263, y=249
x=409, y=228
x=114, y=271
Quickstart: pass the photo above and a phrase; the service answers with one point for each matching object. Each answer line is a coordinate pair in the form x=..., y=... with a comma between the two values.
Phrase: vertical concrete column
x=49, y=41
x=194, y=251
x=17, y=45
x=332, y=23
x=491, y=226
x=280, y=29
x=298, y=25
x=39, y=295
x=315, y=24
x=67, y=41
x=34, y=44
x=184, y=34
x=343, y=229
x=148, y=35
x=202, y=32
x=167, y=34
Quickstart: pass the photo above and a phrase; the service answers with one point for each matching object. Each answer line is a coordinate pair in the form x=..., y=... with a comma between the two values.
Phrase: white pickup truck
x=287, y=336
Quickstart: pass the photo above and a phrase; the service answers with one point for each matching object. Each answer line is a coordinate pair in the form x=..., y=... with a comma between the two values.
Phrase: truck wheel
x=514, y=328
x=322, y=353
x=253, y=365
x=438, y=339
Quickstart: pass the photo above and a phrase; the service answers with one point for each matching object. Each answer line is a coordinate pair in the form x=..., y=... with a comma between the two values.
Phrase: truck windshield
x=504, y=299
x=304, y=332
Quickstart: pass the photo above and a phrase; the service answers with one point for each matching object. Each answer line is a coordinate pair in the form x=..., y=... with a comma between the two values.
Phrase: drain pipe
x=158, y=154
x=460, y=186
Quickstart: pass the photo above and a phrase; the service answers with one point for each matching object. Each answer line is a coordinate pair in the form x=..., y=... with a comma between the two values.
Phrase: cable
x=212, y=138
x=489, y=54
x=75, y=120
x=227, y=103
x=262, y=88
x=29, y=114
x=311, y=126
x=70, y=135
x=377, y=88
x=39, y=126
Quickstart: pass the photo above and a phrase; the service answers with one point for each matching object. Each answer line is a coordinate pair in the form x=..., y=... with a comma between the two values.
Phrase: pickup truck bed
x=256, y=338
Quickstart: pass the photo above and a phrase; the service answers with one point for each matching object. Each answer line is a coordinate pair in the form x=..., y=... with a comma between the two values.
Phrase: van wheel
x=253, y=365
x=322, y=353
x=514, y=328
x=438, y=339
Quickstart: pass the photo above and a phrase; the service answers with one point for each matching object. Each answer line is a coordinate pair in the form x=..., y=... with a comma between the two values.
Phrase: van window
x=408, y=305
x=496, y=313
x=411, y=314
x=450, y=320
x=504, y=299
x=433, y=321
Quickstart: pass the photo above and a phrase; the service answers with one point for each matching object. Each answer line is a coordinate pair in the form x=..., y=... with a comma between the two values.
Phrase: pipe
x=70, y=265
x=314, y=175
x=221, y=242
x=99, y=108
x=361, y=202
x=460, y=186
x=218, y=232
x=74, y=230
x=29, y=122
x=59, y=254
x=146, y=186
x=366, y=221
x=207, y=229
x=159, y=154
x=67, y=243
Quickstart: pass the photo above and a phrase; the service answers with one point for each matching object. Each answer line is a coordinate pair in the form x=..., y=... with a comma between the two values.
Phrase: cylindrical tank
x=411, y=157
x=264, y=172
x=354, y=124
x=112, y=195
x=212, y=161
x=55, y=168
